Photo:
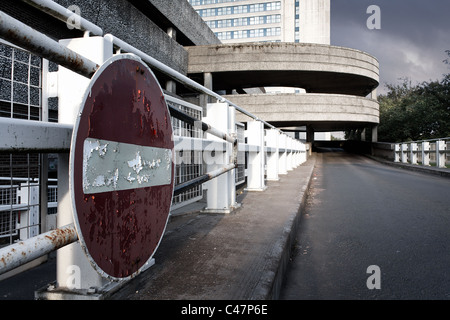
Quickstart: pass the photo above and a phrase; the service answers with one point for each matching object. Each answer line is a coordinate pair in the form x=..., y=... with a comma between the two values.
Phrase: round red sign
x=121, y=175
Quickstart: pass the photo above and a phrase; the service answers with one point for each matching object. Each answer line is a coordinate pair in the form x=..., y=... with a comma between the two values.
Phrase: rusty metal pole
x=27, y=38
x=20, y=253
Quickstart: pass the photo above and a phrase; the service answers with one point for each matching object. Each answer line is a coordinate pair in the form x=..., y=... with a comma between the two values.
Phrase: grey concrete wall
x=186, y=20
x=142, y=23
x=122, y=19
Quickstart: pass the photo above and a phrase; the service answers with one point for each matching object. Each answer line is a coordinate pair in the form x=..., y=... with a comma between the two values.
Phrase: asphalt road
x=361, y=213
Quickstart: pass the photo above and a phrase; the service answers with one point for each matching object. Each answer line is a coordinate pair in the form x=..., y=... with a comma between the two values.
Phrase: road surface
x=371, y=225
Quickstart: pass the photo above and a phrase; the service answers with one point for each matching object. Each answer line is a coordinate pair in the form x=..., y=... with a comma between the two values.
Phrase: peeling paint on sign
x=108, y=166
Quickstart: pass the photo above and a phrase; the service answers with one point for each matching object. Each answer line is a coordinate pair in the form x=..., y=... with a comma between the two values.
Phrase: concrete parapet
x=322, y=111
x=317, y=68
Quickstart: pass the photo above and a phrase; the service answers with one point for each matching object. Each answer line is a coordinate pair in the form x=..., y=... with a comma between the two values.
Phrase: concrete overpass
x=336, y=80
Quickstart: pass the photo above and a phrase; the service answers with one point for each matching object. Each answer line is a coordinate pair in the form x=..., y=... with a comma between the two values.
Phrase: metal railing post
x=413, y=153
x=289, y=154
x=272, y=138
x=440, y=153
x=282, y=169
x=255, y=138
x=397, y=152
x=404, y=153
x=219, y=197
x=425, y=153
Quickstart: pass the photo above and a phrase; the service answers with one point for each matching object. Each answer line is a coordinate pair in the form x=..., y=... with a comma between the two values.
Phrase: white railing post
x=440, y=153
x=255, y=139
x=413, y=153
x=425, y=153
x=231, y=175
x=219, y=191
x=397, y=152
x=289, y=146
x=272, y=138
x=282, y=169
x=29, y=219
x=404, y=153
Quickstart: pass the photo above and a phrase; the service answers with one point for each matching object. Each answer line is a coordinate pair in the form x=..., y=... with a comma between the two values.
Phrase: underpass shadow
x=327, y=149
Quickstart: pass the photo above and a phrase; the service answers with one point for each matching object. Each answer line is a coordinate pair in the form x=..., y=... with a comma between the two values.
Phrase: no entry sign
x=122, y=171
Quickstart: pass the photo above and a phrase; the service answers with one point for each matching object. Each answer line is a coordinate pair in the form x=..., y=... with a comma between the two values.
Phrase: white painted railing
x=426, y=152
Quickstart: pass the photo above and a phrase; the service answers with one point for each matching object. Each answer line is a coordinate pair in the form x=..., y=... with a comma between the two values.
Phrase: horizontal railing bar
x=22, y=252
x=418, y=141
x=182, y=187
x=63, y=14
x=34, y=136
x=174, y=112
x=39, y=44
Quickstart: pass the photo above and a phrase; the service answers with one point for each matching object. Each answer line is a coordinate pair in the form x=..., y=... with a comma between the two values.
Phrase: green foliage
x=410, y=113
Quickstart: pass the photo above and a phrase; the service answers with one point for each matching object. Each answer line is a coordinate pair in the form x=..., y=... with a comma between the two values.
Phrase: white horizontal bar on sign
x=114, y=166
x=34, y=136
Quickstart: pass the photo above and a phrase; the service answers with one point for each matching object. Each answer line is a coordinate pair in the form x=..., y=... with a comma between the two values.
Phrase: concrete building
x=284, y=47
x=267, y=20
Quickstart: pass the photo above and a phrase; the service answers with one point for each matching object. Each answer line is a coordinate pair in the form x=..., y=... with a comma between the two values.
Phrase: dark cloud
x=412, y=40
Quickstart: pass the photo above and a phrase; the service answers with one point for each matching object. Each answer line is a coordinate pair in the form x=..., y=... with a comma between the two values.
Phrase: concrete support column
x=373, y=94
x=363, y=135
x=272, y=138
x=309, y=134
x=171, y=86
x=255, y=137
x=375, y=134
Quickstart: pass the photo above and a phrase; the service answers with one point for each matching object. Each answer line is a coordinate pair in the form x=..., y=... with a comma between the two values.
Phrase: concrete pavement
x=242, y=255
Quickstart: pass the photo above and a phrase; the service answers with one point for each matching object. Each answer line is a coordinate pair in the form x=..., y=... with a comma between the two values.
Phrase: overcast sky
x=412, y=40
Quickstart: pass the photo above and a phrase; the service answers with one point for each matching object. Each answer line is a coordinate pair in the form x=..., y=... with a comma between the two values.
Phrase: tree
x=420, y=112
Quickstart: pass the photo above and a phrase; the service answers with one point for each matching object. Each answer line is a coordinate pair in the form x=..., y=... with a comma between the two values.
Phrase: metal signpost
x=121, y=175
